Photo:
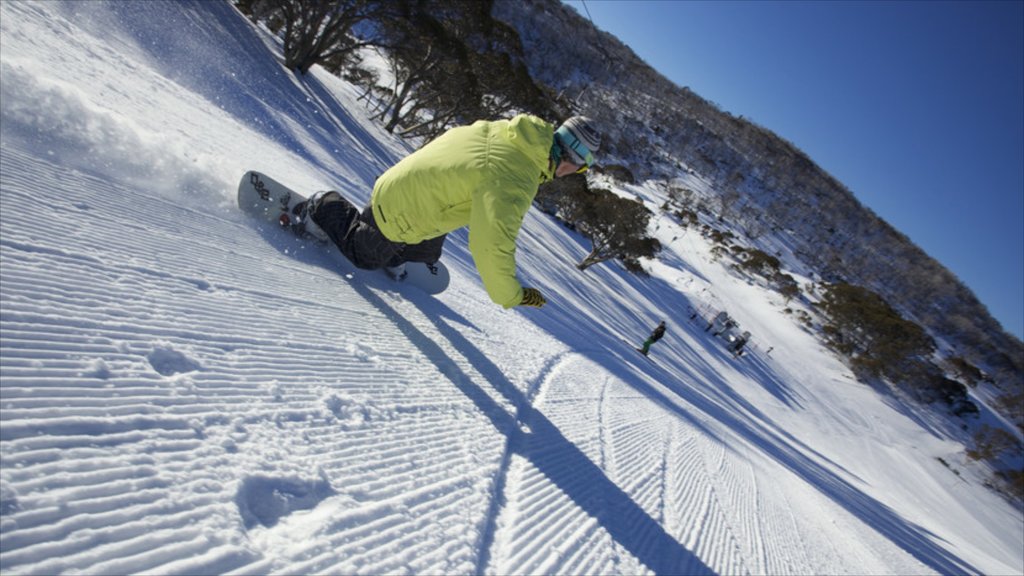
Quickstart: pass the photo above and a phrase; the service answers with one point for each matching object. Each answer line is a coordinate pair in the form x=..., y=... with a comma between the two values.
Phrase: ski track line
x=498, y=498
x=779, y=545
x=781, y=548
x=680, y=453
x=695, y=506
x=544, y=526
x=533, y=519
x=762, y=521
x=635, y=444
x=721, y=479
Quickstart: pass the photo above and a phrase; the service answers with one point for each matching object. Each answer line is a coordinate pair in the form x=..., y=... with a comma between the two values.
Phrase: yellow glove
x=533, y=297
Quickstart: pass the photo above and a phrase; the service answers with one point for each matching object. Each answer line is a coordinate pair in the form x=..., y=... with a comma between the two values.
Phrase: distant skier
x=483, y=176
x=656, y=335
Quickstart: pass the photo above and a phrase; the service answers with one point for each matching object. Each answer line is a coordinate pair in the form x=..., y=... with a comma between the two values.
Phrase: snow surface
x=185, y=392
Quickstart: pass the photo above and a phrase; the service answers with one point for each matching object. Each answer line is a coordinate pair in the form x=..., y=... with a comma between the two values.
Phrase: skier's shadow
x=561, y=461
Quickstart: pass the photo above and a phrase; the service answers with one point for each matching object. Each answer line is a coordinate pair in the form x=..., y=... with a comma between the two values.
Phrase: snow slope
x=183, y=391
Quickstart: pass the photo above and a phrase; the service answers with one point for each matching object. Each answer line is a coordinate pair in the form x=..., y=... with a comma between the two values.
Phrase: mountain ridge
x=837, y=235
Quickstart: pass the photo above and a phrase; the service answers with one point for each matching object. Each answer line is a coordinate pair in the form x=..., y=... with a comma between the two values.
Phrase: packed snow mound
x=186, y=391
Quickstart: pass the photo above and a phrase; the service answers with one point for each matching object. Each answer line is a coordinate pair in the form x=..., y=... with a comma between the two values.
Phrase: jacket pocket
x=401, y=223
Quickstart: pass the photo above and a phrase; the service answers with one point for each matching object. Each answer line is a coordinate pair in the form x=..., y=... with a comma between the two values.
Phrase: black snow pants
x=356, y=234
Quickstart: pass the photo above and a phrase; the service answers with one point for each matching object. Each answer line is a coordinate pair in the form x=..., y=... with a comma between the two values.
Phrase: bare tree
x=316, y=31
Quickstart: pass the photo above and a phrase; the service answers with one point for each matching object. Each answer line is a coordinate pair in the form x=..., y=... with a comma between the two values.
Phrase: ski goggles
x=577, y=148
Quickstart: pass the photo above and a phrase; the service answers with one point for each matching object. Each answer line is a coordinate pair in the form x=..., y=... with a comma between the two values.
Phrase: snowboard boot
x=302, y=223
x=397, y=273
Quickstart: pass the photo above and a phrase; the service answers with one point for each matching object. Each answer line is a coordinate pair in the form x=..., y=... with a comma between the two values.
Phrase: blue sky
x=918, y=107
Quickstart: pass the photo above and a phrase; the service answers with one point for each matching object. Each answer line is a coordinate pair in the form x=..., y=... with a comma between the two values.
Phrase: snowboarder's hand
x=533, y=297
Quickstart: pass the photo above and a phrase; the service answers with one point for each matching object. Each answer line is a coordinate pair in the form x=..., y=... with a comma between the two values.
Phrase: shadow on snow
x=722, y=404
x=533, y=436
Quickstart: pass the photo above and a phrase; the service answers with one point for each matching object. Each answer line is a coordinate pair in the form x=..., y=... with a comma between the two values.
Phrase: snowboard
x=639, y=350
x=267, y=199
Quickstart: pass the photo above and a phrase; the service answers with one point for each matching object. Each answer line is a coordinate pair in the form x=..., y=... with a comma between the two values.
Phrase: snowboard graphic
x=267, y=199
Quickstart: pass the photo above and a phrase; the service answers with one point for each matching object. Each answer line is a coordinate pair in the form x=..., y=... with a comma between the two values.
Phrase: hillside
x=184, y=391
x=661, y=131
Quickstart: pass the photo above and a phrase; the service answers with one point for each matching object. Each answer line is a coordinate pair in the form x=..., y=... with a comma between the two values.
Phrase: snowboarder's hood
x=533, y=137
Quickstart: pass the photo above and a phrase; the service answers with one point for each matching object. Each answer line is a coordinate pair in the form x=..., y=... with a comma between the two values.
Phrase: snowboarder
x=483, y=176
x=656, y=335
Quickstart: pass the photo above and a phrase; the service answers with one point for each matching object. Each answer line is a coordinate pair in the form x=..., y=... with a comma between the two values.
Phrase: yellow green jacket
x=483, y=176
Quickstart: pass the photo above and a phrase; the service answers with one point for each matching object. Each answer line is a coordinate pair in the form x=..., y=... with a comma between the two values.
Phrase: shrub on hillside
x=616, y=226
x=1014, y=480
x=787, y=286
x=990, y=443
x=686, y=217
x=966, y=371
x=865, y=328
x=760, y=263
x=882, y=344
